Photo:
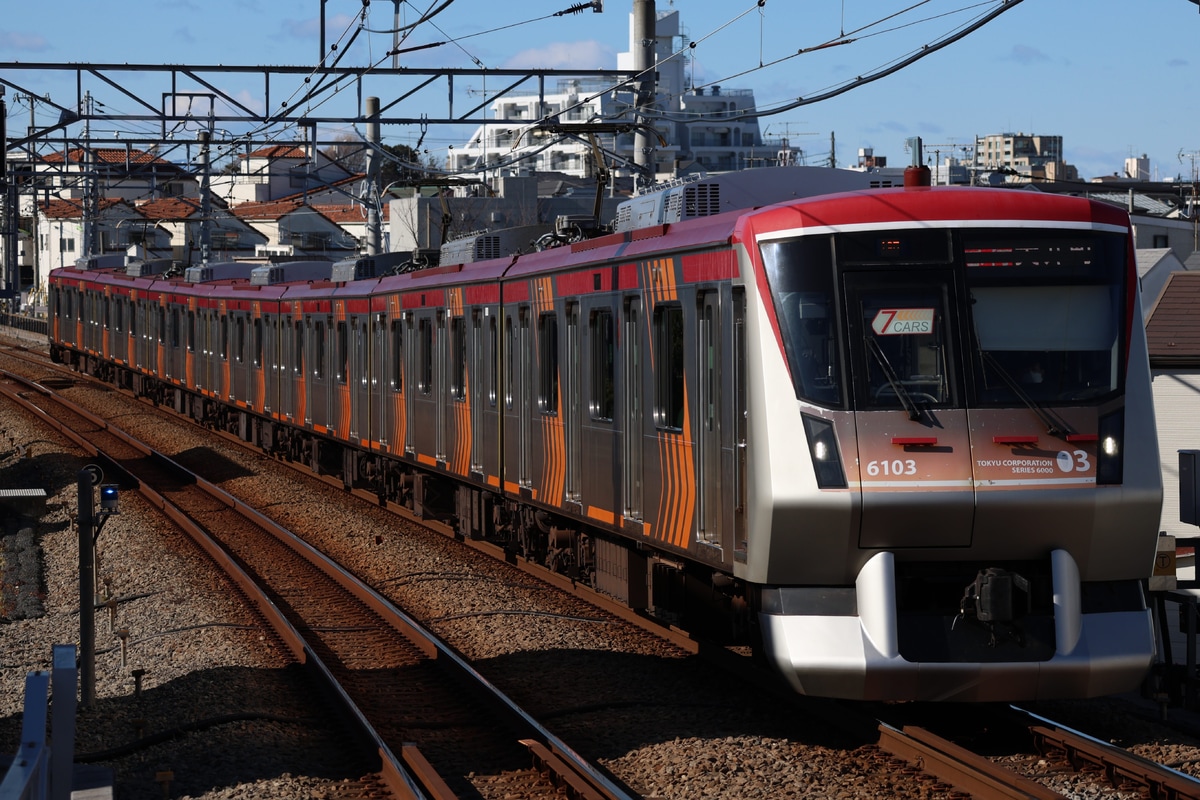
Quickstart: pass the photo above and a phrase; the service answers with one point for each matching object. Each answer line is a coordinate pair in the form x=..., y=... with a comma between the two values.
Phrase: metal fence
x=24, y=322
x=40, y=771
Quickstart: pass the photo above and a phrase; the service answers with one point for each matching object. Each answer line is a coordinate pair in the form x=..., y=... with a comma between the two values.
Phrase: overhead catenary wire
x=859, y=80
x=320, y=88
x=858, y=34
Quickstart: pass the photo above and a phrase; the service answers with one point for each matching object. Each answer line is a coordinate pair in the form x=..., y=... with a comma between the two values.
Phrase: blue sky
x=1113, y=78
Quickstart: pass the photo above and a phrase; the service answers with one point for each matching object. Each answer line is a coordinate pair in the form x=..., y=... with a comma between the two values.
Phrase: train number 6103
x=897, y=467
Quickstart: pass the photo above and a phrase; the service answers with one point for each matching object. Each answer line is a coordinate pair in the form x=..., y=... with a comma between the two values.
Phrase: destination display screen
x=1016, y=249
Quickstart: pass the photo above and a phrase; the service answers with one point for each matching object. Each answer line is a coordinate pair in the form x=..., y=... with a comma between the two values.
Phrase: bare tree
x=350, y=153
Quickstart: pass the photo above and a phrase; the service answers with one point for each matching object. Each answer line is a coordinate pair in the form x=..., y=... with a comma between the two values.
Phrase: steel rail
x=1118, y=765
x=394, y=774
x=399, y=772
x=958, y=766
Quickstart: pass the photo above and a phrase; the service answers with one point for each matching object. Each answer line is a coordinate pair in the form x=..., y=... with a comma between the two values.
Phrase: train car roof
x=110, y=275
x=302, y=290
x=693, y=234
x=904, y=207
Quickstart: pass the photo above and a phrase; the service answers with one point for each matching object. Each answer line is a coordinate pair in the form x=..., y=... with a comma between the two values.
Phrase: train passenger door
x=415, y=384
x=708, y=433
x=478, y=367
x=440, y=390
x=284, y=404
x=572, y=407
x=524, y=391
x=510, y=407
x=318, y=397
x=189, y=364
x=268, y=369
x=913, y=447
x=357, y=367
x=739, y=426
x=631, y=351
x=377, y=430
x=296, y=410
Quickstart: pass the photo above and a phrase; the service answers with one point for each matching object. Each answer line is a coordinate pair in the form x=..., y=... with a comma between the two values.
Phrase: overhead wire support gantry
x=182, y=81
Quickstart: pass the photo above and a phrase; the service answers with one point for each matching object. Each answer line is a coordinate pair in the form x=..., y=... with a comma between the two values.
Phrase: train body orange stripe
x=601, y=515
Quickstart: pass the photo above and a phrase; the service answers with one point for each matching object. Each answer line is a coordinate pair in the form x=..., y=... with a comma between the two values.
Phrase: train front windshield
x=951, y=318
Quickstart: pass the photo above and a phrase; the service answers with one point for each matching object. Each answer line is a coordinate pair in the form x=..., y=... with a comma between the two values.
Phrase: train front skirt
x=850, y=646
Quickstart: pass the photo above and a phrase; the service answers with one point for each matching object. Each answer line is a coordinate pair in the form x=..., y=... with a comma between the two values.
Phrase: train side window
x=602, y=402
x=493, y=364
x=397, y=356
x=298, y=361
x=343, y=354
x=458, y=355
x=319, y=350
x=162, y=325
x=425, y=356
x=239, y=339
x=510, y=362
x=191, y=331
x=258, y=341
x=668, y=369
x=548, y=363
x=360, y=353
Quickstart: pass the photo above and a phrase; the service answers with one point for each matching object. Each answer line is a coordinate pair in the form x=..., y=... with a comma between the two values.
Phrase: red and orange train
x=903, y=436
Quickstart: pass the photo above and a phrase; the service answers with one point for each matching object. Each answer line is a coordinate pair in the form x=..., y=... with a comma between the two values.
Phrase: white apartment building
x=702, y=126
x=278, y=171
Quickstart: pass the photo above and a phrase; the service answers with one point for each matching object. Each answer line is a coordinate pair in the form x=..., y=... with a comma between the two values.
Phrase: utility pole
x=205, y=201
x=12, y=279
x=644, y=63
x=372, y=168
x=90, y=184
x=1192, y=203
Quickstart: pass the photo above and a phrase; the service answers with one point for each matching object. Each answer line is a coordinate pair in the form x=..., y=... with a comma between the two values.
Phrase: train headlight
x=822, y=446
x=1110, y=457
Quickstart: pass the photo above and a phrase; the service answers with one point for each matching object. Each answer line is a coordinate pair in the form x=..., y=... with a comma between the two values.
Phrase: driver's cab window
x=903, y=348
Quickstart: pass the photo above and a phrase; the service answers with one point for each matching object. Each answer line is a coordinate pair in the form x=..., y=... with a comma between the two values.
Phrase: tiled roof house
x=1173, y=341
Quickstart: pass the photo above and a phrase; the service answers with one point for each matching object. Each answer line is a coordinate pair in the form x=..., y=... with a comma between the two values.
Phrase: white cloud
x=29, y=42
x=565, y=55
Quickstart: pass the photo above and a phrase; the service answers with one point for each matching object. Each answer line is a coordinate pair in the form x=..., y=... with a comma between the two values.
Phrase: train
x=901, y=440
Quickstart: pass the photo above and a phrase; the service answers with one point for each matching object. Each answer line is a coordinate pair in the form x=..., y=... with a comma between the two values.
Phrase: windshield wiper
x=1054, y=427
x=905, y=398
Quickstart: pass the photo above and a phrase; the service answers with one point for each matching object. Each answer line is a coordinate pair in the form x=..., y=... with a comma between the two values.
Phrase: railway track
x=430, y=716
x=1000, y=751
x=958, y=780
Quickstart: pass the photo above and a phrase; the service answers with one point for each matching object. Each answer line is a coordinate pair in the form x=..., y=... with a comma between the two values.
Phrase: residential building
x=1173, y=340
x=278, y=172
x=1021, y=157
x=114, y=173
x=1161, y=212
x=1155, y=266
x=168, y=227
x=292, y=228
x=703, y=127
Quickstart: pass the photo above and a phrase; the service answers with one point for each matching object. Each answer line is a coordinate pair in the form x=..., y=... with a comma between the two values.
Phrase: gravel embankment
x=668, y=726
